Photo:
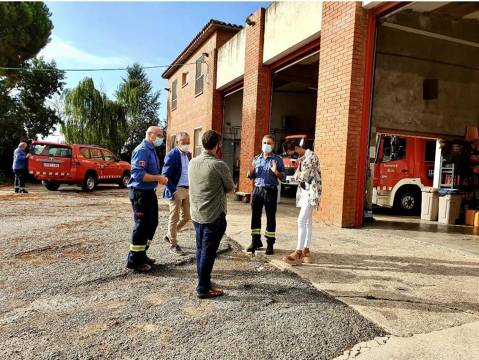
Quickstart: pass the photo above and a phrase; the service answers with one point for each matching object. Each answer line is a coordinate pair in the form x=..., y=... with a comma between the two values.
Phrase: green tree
x=136, y=94
x=92, y=118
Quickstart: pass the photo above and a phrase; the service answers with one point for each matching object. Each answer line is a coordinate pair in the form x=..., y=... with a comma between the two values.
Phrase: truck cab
x=404, y=165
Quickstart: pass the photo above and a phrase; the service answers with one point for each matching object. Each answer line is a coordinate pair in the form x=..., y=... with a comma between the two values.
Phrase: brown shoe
x=306, y=256
x=212, y=293
x=295, y=258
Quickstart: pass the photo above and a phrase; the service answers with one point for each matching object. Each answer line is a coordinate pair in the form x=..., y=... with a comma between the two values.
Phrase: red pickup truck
x=85, y=165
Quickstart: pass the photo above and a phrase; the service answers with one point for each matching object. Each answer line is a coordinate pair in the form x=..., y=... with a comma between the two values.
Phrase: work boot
x=255, y=245
x=16, y=190
x=269, y=248
x=150, y=261
x=23, y=191
x=139, y=268
x=177, y=250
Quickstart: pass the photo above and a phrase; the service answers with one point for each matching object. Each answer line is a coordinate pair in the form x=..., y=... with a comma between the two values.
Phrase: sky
x=117, y=34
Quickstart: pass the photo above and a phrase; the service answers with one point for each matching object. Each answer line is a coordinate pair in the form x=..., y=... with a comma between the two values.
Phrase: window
x=430, y=155
x=394, y=148
x=96, y=154
x=174, y=99
x=51, y=150
x=184, y=79
x=199, y=78
x=198, y=145
x=108, y=155
x=85, y=153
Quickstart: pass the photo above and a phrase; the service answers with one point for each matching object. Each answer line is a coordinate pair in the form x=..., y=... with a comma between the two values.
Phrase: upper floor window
x=184, y=79
x=199, y=78
x=174, y=99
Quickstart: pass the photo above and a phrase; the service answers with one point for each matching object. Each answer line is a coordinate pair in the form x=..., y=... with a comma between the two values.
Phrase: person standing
x=20, y=167
x=176, y=191
x=145, y=176
x=308, y=197
x=210, y=180
x=266, y=169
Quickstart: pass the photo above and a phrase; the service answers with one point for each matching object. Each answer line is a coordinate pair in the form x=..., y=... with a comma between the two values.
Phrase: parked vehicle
x=290, y=159
x=404, y=165
x=85, y=165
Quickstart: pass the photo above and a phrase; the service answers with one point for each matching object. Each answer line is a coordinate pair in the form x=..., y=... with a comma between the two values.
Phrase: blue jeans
x=208, y=237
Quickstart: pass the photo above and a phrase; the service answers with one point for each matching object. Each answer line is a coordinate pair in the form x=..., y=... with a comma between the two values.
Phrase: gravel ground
x=66, y=294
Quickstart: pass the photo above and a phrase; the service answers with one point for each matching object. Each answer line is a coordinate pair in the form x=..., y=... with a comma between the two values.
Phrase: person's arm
x=169, y=168
x=251, y=171
x=224, y=172
x=277, y=167
x=138, y=166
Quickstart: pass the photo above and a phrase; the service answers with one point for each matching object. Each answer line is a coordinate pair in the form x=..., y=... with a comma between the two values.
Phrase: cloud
x=67, y=54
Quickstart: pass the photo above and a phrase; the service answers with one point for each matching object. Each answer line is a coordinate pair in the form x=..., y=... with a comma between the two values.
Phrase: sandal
x=295, y=258
x=212, y=293
x=306, y=256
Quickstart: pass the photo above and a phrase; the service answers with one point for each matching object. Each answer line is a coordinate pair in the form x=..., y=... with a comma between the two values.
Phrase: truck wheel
x=52, y=186
x=124, y=179
x=408, y=201
x=90, y=182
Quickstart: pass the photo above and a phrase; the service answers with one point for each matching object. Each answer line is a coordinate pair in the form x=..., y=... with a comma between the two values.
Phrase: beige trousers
x=179, y=213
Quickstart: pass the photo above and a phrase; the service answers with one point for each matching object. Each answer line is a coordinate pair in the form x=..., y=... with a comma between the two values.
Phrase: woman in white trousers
x=308, y=197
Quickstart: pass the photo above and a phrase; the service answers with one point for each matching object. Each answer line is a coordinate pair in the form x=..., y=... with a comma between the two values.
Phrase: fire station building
x=341, y=72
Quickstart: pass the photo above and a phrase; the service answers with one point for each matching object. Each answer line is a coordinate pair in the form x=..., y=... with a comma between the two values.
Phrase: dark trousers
x=145, y=215
x=267, y=197
x=208, y=237
x=20, y=178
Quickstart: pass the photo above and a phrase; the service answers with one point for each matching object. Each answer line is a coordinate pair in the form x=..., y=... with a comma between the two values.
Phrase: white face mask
x=267, y=149
x=184, y=148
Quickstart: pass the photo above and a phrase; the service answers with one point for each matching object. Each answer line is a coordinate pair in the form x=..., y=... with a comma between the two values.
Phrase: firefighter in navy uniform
x=265, y=169
x=145, y=176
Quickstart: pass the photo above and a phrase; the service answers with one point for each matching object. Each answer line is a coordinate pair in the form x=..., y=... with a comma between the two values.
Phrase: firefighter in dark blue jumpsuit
x=145, y=176
x=266, y=169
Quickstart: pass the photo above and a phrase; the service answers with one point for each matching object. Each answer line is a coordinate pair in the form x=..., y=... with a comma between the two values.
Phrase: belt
x=268, y=187
x=184, y=187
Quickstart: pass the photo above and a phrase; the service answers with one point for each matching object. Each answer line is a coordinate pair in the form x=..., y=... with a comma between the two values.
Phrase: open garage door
x=293, y=109
x=232, y=114
x=426, y=81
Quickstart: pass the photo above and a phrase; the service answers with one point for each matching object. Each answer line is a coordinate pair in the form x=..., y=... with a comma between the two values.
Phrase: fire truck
x=403, y=166
x=290, y=159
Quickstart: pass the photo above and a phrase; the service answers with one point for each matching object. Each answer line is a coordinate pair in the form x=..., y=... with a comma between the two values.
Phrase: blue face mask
x=158, y=142
x=267, y=149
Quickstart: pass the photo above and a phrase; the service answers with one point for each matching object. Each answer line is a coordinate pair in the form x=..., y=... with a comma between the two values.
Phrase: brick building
x=327, y=68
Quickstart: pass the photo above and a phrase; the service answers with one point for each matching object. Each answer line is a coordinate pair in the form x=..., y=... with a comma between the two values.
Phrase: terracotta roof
x=197, y=41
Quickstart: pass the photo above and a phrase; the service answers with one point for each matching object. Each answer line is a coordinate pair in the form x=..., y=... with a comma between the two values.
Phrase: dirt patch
x=79, y=223
x=52, y=252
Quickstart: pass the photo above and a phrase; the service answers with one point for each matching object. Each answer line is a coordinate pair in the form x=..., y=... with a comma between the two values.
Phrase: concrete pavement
x=409, y=277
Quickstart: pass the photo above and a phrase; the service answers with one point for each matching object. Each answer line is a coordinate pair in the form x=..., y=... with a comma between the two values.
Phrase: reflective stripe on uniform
x=255, y=231
x=137, y=247
x=269, y=234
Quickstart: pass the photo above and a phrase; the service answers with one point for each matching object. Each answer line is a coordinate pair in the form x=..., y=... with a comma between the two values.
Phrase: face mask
x=184, y=148
x=158, y=142
x=267, y=149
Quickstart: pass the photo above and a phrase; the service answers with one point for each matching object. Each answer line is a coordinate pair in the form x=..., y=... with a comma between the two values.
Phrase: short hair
x=181, y=135
x=269, y=136
x=210, y=139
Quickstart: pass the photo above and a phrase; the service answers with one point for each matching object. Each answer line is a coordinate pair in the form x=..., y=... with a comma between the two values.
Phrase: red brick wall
x=340, y=93
x=256, y=97
x=202, y=111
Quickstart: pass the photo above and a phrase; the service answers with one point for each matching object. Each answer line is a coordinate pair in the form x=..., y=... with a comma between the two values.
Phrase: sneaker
x=139, y=268
x=269, y=249
x=176, y=249
x=212, y=293
x=306, y=256
x=23, y=191
x=16, y=190
x=295, y=258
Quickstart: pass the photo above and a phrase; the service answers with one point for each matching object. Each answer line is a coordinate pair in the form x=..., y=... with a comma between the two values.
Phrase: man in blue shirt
x=265, y=169
x=176, y=192
x=19, y=167
x=145, y=176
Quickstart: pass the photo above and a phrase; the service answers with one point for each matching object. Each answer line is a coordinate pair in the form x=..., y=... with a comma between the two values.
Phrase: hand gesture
x=163, y=180
x=274, y=166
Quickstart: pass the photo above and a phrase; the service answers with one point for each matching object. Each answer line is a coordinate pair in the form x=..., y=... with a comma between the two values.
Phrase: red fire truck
x=403, y=166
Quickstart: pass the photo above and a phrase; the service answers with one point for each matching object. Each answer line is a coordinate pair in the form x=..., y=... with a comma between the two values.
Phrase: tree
x=136, y=94
x=23, y=110
x=91, y=118
x=25, y=28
